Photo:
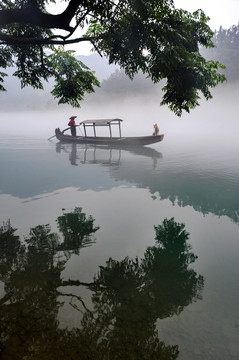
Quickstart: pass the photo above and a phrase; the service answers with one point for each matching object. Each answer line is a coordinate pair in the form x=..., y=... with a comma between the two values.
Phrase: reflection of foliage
x=125, y=313
x=31, y=273
x=214, y=194
x=42, y=246
x=166, y=267
x=128, y=296
x=76, y=229
x=30, y=302
x=11, y=249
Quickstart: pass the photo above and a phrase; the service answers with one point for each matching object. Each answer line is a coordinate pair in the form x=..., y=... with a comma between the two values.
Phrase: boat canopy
x=101, y=122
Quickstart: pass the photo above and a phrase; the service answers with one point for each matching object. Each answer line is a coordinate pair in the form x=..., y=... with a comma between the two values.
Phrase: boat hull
x=114, y=141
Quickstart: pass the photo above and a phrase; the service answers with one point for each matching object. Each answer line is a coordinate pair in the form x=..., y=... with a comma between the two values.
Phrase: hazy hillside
x=226, y=51
x=99, y=64
x=27, y=98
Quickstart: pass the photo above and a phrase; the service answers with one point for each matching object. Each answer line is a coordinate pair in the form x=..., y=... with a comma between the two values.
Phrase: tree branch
x=12, y=40
x=53, y=73
x=75, y=297
x=6, y=298
x=31, y=14
x=75, y=283
x=34, y=17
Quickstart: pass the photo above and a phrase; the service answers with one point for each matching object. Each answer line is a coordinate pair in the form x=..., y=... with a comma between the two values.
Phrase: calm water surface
x=95, y=262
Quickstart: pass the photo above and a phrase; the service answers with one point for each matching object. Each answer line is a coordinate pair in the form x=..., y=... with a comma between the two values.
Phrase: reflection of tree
x=128, y=296
x=76, y=229
x=167, y=273
x=11, y=250
x=31, y=273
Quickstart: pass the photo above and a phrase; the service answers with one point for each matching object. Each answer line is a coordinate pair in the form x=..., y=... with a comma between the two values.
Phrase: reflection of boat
x=112, y=141
x=97, y=154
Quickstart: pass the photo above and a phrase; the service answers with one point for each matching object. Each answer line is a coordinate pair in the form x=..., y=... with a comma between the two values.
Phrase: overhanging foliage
x=148, y=35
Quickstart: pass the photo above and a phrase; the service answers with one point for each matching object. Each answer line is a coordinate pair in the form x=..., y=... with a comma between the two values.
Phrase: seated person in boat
x=72, y=124
x=156, y=130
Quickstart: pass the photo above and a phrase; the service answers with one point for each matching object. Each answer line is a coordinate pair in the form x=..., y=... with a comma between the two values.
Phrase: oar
x=51, y=137
x=62, y=132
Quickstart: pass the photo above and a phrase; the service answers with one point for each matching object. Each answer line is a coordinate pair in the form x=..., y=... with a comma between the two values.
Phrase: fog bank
x=216, y=118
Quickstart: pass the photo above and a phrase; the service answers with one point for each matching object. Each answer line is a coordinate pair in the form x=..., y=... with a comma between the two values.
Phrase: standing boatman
x=72, y=124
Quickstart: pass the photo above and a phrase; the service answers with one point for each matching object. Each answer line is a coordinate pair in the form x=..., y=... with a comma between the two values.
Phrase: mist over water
x=215, y=120
x=192, y=176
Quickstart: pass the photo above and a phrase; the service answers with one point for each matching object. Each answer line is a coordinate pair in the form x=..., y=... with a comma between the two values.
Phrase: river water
x=119, y=253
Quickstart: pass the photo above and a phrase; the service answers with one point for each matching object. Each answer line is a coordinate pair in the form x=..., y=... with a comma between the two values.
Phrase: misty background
x=35, y=113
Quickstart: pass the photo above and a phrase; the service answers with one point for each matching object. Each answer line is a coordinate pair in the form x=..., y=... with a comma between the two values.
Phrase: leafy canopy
x=151, y=36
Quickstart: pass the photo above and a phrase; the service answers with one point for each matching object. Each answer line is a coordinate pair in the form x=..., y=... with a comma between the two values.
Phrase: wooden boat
x=110, y=140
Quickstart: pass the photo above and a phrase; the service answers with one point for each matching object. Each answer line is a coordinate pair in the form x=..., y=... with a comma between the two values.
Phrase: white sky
x=221, y=12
